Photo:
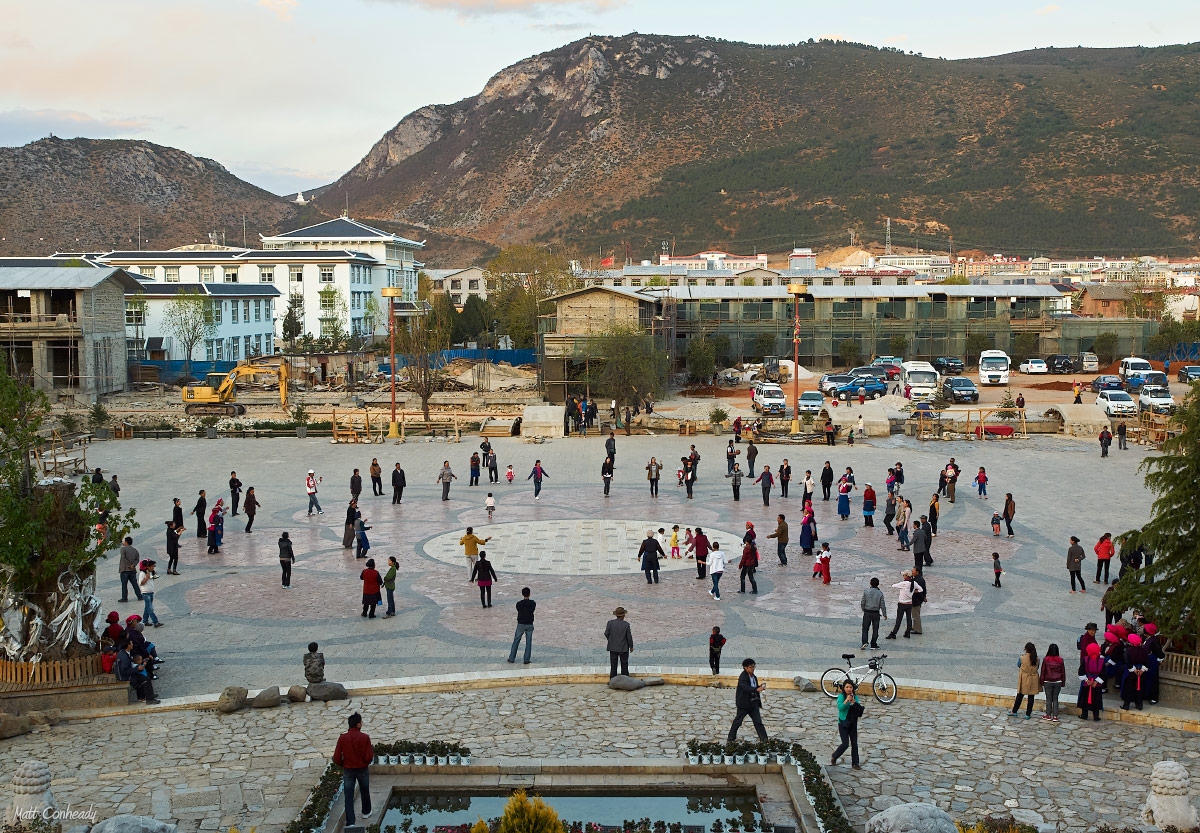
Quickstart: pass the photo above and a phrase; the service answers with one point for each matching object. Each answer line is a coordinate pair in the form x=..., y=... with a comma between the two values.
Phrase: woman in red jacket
x=748, y=565
x=1104, y=554
x=1053, y=676
x=372, y=581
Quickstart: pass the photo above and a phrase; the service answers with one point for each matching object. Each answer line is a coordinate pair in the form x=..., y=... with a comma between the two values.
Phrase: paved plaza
x=254, y=768
x=228, y=621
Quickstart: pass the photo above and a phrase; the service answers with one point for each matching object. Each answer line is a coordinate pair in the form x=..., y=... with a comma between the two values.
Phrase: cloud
x=17, y=127
x=281, y=8
x=896, y=39
x=472, y=7
x=562, y=27
x=1045, y=10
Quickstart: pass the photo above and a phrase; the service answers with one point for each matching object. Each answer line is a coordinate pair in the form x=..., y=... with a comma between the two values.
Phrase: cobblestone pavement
x=227, y=619
x=254, y=768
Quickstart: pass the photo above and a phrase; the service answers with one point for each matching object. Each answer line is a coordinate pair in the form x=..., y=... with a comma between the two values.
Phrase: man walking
x=919, y=595
x=781, y=539
x=128, y=569
x=525, y=609
x=537, y=474
x=606, y=474
x=749, y=702
x=470, y=544
x=1075, y=564
x=353, y=754
x=198, y=511
x=767, y=480
x=920, y=544
x=376, y=477
x=355, y=486
x=952, y=471
x=1121, y=429
x=731, y=454
x=444, y=477
x=906, y=587
x=310, y=486
x=235, y=490
x=398, y=484
x=610, y=447
x=873, y=607
x=648, y=555
x=1105, y=441
x=751, y=456
x=620, y=643
x=489, y=459
x=889, y=511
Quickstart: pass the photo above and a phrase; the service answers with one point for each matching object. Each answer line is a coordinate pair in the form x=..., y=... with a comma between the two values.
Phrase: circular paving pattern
x=588, y=547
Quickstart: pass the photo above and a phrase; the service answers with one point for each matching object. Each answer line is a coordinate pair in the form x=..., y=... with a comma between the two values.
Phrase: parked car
x=1033, y=366
x=880, y=371
x=1107, y=383
x=891, y=363
x=832, y=381
x=872, y=387
x=1062, y=363
x=1132, y=365
x=1157, y=400
x=1088, y=362
x=768, y=398
x=1116, y=403
x=1153, y=378
x=811, y=402
x=894, y=360
x=948, y=366
x=1188, y=373
x=959, y=389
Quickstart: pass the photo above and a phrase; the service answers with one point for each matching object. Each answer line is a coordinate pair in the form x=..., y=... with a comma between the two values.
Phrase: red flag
x=608, y=261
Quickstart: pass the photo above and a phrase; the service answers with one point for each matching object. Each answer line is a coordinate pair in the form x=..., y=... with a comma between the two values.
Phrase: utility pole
x=887, y=246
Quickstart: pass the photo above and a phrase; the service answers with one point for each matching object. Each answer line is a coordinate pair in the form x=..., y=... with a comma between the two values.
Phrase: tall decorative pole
x=391, y=292
x=796, y=290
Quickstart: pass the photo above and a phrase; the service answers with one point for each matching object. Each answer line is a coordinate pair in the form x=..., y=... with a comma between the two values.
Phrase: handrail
x=57, y=319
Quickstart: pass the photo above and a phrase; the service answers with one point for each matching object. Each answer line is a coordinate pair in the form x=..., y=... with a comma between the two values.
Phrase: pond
x=695, y=811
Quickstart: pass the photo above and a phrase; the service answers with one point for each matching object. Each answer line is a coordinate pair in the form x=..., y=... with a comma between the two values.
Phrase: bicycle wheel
x=884, y=688
x=831, y=681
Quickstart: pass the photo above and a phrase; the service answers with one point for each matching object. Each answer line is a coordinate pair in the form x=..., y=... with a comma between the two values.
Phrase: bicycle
x=882, y=685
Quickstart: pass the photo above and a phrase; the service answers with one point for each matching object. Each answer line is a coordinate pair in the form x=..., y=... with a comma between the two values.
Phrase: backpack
x=919, y=596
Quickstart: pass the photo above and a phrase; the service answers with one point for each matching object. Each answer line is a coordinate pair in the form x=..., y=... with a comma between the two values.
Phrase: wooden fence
x=1183, y=665
x=49, y=673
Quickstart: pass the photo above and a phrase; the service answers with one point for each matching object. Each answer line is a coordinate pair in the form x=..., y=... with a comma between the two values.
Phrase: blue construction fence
x=169, y=371
x=1184, y=353
x=513, y=357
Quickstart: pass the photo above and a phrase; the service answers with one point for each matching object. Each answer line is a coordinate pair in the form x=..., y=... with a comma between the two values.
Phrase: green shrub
x=98, y=416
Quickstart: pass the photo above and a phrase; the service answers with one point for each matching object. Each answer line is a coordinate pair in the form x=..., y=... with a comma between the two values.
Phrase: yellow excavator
x=218, y=395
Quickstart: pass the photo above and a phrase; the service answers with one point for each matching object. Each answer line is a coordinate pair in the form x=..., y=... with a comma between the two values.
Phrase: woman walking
x=146, y=579
x=903, y=511
x=286, y=559
x=1028, y=684
x=198, y=511
x=173, y=532
x=1053, y=676
x=389, y=586
x=736, y=482
x=934, y=511
x=653, y=473
x=360, y=533
x=474, y=466
x=1104, y=554
x=250, y=507
x=808, y=530
x=849, y=710
x=689, y=476
x=483, y=575
x=716, y=569
x=810, y=488
x=767, y=480
x=844, y=499
x=348, y=529
x=748, y=565
x=606, y=474
x=1010, y=512
x=370, y=593
x=868, y=506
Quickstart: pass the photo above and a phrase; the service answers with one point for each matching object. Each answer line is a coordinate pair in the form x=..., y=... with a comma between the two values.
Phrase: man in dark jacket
x=749, y=702
x=781, y=538
x=620, y=643
x=126, y=670
x=127, y=568
x=606, y=474
x=826, y=480
x=198, y=511
x=920, y=544
x=610, y=447
x=398, y=484
x=355, y=485
x=525, y=609
x=648, y=555
x=489, y=460
x=353, y=754
x=235, y=490
x=751, y=456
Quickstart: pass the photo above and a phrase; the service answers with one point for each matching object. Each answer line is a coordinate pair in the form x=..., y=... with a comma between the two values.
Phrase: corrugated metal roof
x=63, y=277
x=342, y=228
x=46, y=262
x=866, y=292
x=157, y=289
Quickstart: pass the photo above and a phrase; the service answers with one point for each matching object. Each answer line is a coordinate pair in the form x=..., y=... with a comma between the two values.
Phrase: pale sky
x=290, y=94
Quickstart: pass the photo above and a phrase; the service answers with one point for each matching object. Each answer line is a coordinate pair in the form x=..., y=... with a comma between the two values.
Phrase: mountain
x=633, y=140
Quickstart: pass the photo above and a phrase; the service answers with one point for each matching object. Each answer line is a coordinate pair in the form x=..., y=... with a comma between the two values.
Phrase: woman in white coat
x=716, y=566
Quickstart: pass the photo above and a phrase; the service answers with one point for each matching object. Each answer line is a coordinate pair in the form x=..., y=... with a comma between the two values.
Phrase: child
x=663, y=540
x=314, y=664
x=509, y=475
x=996, y=524
x=689, y=542
x=490, y=504
x=850, y=438
x=675, y=542
x=823, y=559
x=981, y=482
x=996, y=567
x=715, y=643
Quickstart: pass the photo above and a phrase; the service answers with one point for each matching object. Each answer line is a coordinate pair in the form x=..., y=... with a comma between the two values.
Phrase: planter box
x=302, y=431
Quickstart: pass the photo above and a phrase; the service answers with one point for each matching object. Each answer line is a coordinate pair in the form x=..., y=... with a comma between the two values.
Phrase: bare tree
x=421, y=340
x=189, y=317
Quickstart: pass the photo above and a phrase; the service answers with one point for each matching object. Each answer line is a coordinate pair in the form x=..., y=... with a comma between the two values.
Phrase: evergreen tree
x=525, y=815
x=1171, y=598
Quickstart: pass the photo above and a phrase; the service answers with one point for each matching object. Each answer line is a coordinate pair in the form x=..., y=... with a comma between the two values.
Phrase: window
x=327, y=301
x=218, y=353
x=710, y=281
x=473, y=285
x=270, y=348
x=216, y=311
x=266, y=274
x=674, y=281
x=326, y=274
x=258, y=311
x=635, y=281
x=135, y=313
x=234, y=352
x=246, y=311
x=826, y=281
x=849, y=281
x=231, y=274
x=876, y=281
x=692, y=282
x=206, y=274
x=208, y=349
x=729, y=281
x=247, y=342
x=297, y=272
x=258, y=344
x=133, y=349
x=901, y=281
x=171, y=274
x=438, y=285
x=148, y=271
x=233, y=316
x=455, y=286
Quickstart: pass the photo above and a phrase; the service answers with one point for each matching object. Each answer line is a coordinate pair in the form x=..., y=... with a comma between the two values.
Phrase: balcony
x=33, y=325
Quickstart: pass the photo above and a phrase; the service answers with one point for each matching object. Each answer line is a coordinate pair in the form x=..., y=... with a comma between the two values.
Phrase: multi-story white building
x=635, y=277
x=242, y=318
x=459, y=283
x=713, y=259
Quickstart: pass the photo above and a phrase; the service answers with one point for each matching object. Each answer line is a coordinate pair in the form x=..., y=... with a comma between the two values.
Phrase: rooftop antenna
x=888, y=244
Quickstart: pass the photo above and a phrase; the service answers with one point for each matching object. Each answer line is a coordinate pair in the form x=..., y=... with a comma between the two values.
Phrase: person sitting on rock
x=314, y=664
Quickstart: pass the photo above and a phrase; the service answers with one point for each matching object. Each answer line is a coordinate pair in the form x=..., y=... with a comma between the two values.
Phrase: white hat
x=312, y=471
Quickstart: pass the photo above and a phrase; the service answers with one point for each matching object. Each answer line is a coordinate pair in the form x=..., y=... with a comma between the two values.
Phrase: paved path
x=254, y=769
x=227, y=620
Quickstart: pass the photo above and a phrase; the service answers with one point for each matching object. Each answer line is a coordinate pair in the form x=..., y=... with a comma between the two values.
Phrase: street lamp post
x=796, y=290
x=391, y=293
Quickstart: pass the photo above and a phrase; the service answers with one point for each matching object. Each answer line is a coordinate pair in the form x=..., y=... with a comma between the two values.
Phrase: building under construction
x=64, y=327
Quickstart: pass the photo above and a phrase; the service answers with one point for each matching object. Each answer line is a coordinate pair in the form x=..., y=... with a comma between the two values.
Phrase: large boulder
x=231, y=699
x=328, y=691
x=268, y=698
x=654, y=681
x=624, y=683
x=912, y=818
x=48, y=717
x=133, y=824
x=12, y=725
x=803, y=683
x=297, y=694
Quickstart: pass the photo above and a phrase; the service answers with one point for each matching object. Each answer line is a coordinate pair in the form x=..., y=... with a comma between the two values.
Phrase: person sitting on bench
x=132, y=669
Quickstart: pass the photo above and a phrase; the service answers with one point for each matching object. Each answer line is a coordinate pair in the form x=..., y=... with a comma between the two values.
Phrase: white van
x=768, y=398
x=994, y=366
x=921, y=377
x=1134, y=366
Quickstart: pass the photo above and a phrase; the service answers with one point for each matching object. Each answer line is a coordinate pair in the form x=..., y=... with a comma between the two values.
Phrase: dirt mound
x=709, y=390
x=1050, y=386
